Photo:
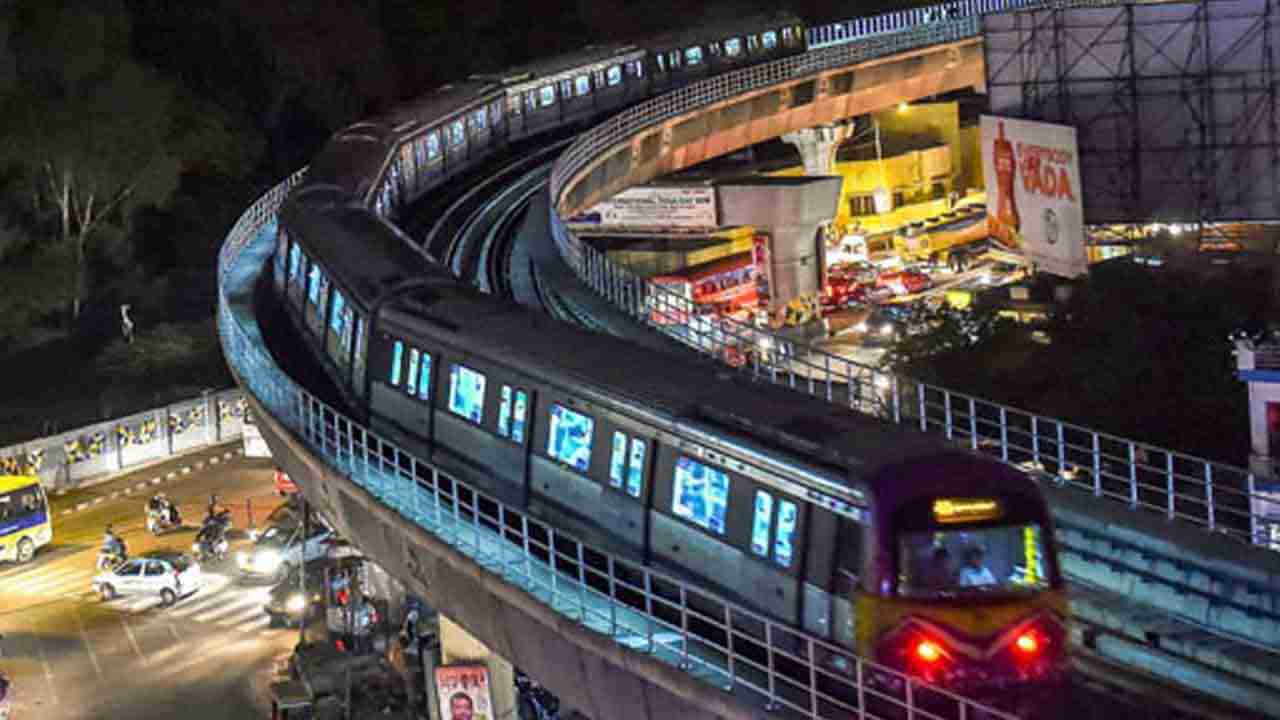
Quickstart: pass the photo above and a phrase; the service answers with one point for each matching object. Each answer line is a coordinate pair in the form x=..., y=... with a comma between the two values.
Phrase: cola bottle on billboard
x=1007, y=222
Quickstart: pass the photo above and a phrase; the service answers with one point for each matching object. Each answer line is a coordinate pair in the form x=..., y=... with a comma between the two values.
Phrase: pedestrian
x=126, y=324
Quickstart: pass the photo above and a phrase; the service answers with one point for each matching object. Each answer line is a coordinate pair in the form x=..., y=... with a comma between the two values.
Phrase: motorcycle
x=109, y=558
x=535, y=702
x=162, y=519
x=211, y=542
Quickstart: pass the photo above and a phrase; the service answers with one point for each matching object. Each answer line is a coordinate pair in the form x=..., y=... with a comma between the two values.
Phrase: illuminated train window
x=478, y=120
x=411, y=377
x=783, y=541
x=518, y=416
x=569, y=438
x=635, y=469
x=566, y=88
x=700, y=494
x=424, y=377
x=582, y=84
x=693, y=56
x=733, y=47
x=433, y=145
x=548, y=95
x=457, y=132
x=770, y=40
x=466, y=393
x=615, y=75
x=618, y=459
x=761, y=522
x=397, y=356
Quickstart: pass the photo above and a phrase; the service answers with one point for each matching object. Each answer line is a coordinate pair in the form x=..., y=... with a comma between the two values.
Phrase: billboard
x=464, y=692
x=654, y=207
x=1032, y=173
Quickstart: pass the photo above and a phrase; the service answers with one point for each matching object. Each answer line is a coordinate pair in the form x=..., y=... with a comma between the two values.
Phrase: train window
x=582, y=84
x=715, y=48
x=786, y=36
x=693, y=55
x=335, y=312
x=598, y=77
x=733, y=47
x=673, y=59
x=1000, y=555
x=614, y=75
x=531, y=100
x=637, y=68
x=348, y=331
x=357, y=332
x=783, y=545
x=295, y=262
x=618, y=459
x=504, y=412
x=478, y=120
x=397, y=355
x=466, y=393
x=433, y=145
x=517, y=421
x=635, y=469
x=700, y=495
x=761, y=521
x=495, y=113
x=548, y=95
x=420, y=151
x=753, y=43
x=566, y=88
x=569, y=438
x=424, y=377
x=770, y=40
x=313, y=284
x=662, y=62
x=411, y=377
x=514, y=104
x=322, y=301
x=457, y=132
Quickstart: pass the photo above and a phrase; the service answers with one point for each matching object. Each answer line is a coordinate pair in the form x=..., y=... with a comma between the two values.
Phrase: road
x=72, y=656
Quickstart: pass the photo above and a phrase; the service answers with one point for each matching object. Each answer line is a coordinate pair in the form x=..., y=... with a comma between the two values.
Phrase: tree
x=90, y=131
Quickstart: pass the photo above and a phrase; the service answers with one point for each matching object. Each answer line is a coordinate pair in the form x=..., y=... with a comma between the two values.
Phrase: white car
x=280, y=548
x=167, y=575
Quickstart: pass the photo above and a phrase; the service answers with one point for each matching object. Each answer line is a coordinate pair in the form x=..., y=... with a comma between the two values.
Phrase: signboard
x=654, y=207
x=1032, y=173
x=464, y=692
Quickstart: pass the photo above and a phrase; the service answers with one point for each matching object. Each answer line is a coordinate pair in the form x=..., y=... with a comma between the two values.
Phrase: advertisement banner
x=464, y=692
x=1032, y=173
x=654, y=207
x=763, y=265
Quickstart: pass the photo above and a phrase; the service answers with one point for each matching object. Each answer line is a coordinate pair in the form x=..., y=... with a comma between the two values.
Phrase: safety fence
x=716, y=641
x=68, y=459
x=1222, y=498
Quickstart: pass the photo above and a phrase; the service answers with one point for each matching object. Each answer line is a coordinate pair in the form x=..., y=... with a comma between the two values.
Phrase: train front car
x=966, y=592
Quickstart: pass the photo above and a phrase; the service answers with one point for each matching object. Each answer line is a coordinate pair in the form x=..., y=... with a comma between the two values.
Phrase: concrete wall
x=588, y=671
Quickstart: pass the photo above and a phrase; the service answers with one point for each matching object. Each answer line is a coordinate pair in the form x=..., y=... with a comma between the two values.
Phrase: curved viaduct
x=581, y=634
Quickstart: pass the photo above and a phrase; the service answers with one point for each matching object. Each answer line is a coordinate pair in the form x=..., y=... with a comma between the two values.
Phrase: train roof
x=677, y=388
x=592, y=57
x=338, y=232
x=720, y=28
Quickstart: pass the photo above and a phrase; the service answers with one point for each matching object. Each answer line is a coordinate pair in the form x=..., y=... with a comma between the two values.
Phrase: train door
x=846, y=588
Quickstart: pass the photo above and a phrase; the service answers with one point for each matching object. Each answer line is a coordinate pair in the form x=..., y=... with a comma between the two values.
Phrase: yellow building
x=923, y=157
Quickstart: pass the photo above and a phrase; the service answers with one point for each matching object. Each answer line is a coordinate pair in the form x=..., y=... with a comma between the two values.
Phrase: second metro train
x=897, y=545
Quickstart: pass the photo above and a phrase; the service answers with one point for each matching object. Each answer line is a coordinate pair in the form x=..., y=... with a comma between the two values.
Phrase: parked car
x=282, y=547
x=904, y=282
x=166, y=574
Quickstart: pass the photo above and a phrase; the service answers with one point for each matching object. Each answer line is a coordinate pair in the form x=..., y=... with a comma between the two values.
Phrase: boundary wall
x=72, y=458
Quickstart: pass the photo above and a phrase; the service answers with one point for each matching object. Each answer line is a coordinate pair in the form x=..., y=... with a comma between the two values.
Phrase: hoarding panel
x=1032, y=173
x=464, y=692
x=654, y=207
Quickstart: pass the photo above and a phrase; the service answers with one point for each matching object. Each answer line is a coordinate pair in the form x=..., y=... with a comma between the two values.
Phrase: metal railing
x=1216, y=496
x=714, y=640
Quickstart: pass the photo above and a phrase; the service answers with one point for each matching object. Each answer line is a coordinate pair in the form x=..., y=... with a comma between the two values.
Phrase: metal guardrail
x=714, y=640
x=1221, y=498
x=65, y=460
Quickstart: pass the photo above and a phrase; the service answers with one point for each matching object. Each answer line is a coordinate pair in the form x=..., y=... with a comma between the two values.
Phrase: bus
x=24, y=518
x=725, y=285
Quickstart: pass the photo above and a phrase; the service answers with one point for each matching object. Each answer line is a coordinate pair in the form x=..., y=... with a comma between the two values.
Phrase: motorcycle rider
x=112, y=547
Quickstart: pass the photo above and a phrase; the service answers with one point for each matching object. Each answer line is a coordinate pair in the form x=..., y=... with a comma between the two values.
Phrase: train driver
x=974, y=573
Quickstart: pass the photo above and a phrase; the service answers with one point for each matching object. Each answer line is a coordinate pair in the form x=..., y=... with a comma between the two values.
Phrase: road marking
x=48, y=671
x=82, y=506
x=170, y=475
x=174, y=631
x=98, y=500
x=68, y=511
x=93, y=657
x=132, y=640
x=186, y=470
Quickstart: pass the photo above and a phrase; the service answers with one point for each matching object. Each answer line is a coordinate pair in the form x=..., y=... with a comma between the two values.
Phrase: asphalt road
x=73, y=656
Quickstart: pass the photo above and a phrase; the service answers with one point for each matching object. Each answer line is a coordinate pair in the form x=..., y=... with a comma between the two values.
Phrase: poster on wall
x=654, y=207
x=763, y=268
x=464, y=692
x=1032, y=173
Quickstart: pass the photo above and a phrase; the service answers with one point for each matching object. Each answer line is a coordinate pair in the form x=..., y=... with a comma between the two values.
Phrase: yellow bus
x=24, y=518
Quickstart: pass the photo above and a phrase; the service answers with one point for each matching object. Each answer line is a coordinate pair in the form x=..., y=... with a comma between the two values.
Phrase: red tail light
x=1027, y=644
x=928, y=651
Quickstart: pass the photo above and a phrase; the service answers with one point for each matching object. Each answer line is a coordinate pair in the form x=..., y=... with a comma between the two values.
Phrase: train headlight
x=1027, y=643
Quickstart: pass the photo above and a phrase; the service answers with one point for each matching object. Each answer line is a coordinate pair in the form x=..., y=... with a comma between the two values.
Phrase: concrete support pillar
x=457, y=646
x=818, y=146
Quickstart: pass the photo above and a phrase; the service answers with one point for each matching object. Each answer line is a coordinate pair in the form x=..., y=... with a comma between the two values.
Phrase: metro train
x=895, y=544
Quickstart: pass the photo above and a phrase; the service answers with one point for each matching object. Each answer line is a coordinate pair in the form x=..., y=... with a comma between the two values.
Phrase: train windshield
x=969, y=547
